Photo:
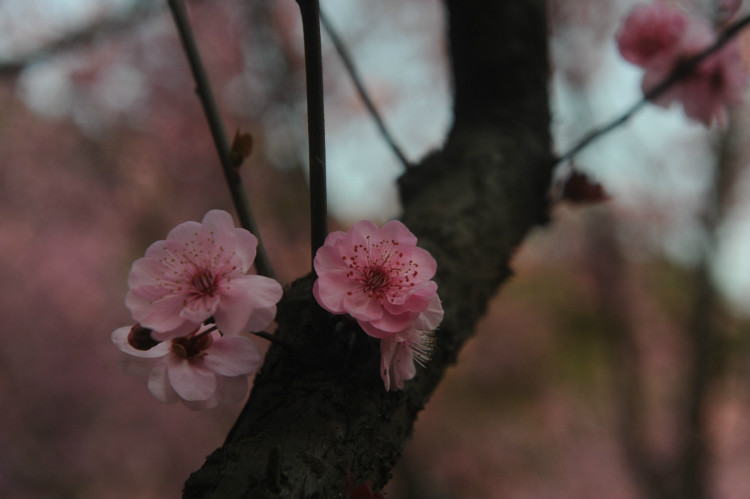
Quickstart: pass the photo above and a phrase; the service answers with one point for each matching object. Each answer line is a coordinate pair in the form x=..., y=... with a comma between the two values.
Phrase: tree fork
x=320, y=412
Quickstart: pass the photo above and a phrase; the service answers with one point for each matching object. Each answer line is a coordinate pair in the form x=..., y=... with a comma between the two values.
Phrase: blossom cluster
x=382, y=279
x=191, y=296
x=659, y=38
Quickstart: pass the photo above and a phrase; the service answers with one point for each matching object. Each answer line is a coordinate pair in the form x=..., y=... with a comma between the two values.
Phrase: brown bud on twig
x=242, y=146
x=580, y=189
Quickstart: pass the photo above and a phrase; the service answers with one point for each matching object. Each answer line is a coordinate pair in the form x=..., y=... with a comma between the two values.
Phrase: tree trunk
x=318, y=409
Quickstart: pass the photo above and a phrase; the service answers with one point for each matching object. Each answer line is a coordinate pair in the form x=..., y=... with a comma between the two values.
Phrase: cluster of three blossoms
x=192, y=298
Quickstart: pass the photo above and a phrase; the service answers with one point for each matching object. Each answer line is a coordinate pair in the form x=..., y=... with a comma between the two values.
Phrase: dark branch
x=203, y=88
x=471, y=205
x=315, y=123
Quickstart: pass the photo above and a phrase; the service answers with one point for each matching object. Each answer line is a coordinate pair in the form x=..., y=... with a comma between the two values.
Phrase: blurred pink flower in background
x=400, y=352
x=378, y=276
x=198, y=272
x=650, y=34
x=202, y=369
x=659, y=38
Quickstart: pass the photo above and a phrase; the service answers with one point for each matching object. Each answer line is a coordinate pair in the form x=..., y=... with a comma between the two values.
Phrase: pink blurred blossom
x=202, y=369
x=651, y=34
x=717, y=82
x=378, y=276
x=727, y=9
x=400, y=352
x=199, y=272
x=659, y=38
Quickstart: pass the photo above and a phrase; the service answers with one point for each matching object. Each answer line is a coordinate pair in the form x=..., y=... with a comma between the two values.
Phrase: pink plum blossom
x=659, y=39
x=201, y=369
x=198, y=272
x=716, y=82
x=400, y=352
x=378, y=276
x=651, y=34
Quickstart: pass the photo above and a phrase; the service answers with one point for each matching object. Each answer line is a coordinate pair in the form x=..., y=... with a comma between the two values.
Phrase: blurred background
x=619, y=350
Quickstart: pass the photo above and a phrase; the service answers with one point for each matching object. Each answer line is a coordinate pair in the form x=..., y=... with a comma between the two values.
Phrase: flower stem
x=679, y=73
x=310, y=10
x=203, y=89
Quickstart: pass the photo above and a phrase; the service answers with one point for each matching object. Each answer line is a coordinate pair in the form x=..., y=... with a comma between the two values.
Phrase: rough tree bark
x=318, y=409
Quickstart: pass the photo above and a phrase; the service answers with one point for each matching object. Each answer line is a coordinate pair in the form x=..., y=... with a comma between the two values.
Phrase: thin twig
x=679, y=72
x=310, y=10
x=361, y=90
x=203, y=89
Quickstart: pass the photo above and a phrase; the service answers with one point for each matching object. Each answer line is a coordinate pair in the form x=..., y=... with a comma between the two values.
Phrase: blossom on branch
x=659, y=39
x=378, y=276
x=200, y=272
x=399, y=353
x=650, y=35
x=201, y=369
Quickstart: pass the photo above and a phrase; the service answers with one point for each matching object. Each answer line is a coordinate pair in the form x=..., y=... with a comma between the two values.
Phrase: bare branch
x=203, y=88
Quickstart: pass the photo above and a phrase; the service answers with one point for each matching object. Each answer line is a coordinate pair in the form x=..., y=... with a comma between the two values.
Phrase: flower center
x=204, y=283
x=375, y=280
x=140, y=338
x=191, y=346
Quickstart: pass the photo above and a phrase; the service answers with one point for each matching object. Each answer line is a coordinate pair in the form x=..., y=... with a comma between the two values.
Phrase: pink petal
x=162, y=315
x=183, y=233
x=424, y=261
x=371, y=330
x=387, y=349
x=120, y=339
x=362, y=229
x=334, y=237
x=397, y=231
x=158, y=384
x=189, y=379
x=218, y=221
x=199, y=309
x=331, y=301
x=241, y=296
x=245, y=248
x=260, y=319
x=330, y=290
x=184, y=329
x=392, y=323
x=328, y=259
x=362, y=307
x=232, y=356
x=431, y=318
x=403, y=361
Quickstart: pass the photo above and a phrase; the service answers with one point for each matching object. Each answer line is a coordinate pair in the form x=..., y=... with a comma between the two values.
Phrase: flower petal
x=241, y=296
x=232, y=356
x=120, y=339
x=260, y=319
x=190, y=380
x=158, y=384
x=387, y=349
x=362, y=307
x=397, y=231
